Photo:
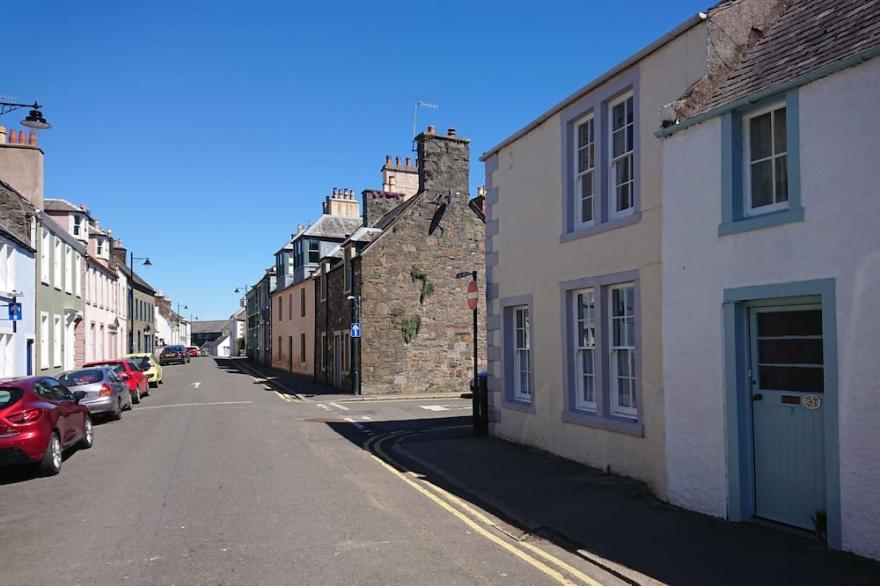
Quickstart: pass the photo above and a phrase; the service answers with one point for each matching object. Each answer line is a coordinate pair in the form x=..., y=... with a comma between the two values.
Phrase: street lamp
x=356, y=343
x=147, y=263
x=33, y=120
x=179, y=318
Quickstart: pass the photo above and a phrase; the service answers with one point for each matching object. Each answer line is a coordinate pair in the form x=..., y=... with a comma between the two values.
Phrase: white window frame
x=44, y=340
x=522, y=353
x=57, y=274
x=776, y=206
x=613, y=212
x=68, y=268
x=57, y=333
x=99, y=247
x=77, y=225
x=583, y=346
x=77, y=275
x=615, y=348
x=45, y=245
x=579, y=176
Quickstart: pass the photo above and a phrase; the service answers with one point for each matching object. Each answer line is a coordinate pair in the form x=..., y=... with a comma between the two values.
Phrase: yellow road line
x=283, y=396
x=552, y=573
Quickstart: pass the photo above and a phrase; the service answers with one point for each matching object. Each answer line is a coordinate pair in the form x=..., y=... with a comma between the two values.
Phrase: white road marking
x=137, y=409
x=359, y=426
x=434, y=407
x=323, y=406
x=195, y=384
x=338, y=406
x=365, y=417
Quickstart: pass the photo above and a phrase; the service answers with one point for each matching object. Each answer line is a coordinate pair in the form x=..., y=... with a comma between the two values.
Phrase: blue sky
x=203, y=132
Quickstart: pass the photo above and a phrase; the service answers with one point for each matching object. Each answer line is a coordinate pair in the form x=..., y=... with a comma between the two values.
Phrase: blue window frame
x=760, y=166
x=518, y=356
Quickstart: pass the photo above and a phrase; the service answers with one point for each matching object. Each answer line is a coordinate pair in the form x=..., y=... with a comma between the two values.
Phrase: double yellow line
x=287, y=398
x=550, y=565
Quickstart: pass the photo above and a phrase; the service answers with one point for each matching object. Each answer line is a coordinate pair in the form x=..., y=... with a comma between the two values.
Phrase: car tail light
x=25, y=417
x=106, y=391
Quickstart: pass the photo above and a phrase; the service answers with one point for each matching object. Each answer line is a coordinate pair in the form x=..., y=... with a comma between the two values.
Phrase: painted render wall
x=292, y=324
x=839, y=239
x=22, y=279
x=525, y=185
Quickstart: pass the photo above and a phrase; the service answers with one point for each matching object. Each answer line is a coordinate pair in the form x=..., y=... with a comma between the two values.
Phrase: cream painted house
x=573, y=244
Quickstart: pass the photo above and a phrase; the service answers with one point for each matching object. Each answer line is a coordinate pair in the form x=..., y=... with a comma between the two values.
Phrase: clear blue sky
x=203, y=132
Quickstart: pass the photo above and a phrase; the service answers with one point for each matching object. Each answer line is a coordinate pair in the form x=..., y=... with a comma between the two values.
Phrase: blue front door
x=786, y=377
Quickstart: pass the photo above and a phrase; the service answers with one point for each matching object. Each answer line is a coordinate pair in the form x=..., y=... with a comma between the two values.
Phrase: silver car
x=105, y=393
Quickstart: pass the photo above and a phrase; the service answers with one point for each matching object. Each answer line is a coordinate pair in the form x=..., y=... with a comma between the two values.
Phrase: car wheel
x=116, y=415
x=88, y=439
x=153, y=385
x=136, y=397
x=50, y=465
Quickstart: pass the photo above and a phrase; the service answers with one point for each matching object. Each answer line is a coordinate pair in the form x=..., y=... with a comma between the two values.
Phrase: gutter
x=626, y=64
x=771, y=91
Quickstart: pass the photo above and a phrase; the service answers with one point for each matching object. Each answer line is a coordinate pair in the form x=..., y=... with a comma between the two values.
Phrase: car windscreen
x=133, y=365
x=79, y=378
x=8, y=396
x=144, y=363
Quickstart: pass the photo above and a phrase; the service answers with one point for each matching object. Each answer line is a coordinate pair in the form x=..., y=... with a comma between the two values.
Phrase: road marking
x=285, y=397
x=323, y=406
x=338, y=406
x=536, y=563
x=195, y=384
x=365, y=417
x=359, y=426
x=434, y=407
x=192, y=405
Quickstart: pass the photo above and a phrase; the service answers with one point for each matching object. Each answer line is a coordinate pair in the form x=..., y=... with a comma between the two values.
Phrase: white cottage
x=17, y=283
x=771, y=263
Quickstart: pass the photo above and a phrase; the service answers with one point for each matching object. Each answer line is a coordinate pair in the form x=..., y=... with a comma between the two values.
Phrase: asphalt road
x=216, y=479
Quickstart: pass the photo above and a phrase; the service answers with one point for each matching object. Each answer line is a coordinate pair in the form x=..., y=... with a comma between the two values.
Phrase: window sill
x=585, y=231
x=613, y=424
x=517, y=405
x=770, y=220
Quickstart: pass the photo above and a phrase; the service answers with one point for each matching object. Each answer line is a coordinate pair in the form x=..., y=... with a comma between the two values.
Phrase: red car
x=127, y=370
x=193, y=351
x=39, y=419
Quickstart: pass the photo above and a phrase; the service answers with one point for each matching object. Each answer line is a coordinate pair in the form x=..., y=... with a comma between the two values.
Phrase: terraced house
x=17, y=264
x=770, y=272
x=573, y=256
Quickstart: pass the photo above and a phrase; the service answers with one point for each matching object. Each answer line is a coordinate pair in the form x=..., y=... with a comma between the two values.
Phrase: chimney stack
x=342, y=203
x=444, y=162
x=399, y=178
x=21, y=164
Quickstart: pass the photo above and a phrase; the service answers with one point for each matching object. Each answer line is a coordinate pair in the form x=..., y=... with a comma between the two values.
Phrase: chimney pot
x=398, y=161
x=387, y=157
x=407, y=161
x=22, y=137
x=32, y=138
x=2, y=134
x=450, y=132
x=431, y=129
x=334, y=191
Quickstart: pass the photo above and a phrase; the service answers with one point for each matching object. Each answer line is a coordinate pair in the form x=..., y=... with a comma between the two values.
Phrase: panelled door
x=787, y=390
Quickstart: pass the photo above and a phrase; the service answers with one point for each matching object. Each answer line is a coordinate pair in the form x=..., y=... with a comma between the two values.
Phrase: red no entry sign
x=473, y=295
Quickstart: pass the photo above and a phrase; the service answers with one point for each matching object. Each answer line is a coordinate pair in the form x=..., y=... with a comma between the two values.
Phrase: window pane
x=622, y=171
x=618, y=116
x=584, y=160
x=790, y=323
x=586, y=197
x=624, y=201
x=587, y=362
x=623, y=363
x=759, y=136
x=519, y=319
x=779, y=131
x=583, y=134
x=762, y=184
x=629, y=137
x=520, y=338
x=624, y=396
x=781, y=178
x=790, y=351
x=792, y=378
x=629, y=110
x=618, y=143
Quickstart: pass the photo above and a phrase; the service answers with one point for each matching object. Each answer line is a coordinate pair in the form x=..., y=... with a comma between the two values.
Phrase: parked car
x=173, y=353
x=39, y=419
x=148, y=365
x=203, y=352
x=105, y=393
x=193, y=351
x=129, y=373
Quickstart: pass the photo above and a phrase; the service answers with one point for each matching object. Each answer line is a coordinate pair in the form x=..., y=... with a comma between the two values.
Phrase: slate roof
x=13, y=221
x=808, y=35
x=332, y=227
x=208, y=326
x=62, y=205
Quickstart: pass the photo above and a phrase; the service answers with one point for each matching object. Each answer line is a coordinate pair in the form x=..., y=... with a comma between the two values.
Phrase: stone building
x=401, y=266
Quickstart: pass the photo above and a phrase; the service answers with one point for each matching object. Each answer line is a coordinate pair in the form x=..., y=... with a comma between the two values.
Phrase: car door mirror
x=78, y=395
x=123, y=377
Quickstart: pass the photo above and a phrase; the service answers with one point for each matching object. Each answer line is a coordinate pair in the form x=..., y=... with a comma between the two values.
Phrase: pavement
x=221, y=478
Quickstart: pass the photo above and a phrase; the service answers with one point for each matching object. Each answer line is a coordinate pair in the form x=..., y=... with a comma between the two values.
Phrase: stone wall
x=379, y=203
x=332, y=315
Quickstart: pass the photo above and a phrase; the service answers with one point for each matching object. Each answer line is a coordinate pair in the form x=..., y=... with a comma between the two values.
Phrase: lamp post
x=356, y=343
x=180, y=317
x=147, y=263
x=476, y=398
x=33, y=120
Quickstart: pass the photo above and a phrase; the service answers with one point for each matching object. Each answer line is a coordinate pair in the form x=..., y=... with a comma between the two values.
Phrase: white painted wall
x=19, y=276
x=840, y=238
x=101, y=298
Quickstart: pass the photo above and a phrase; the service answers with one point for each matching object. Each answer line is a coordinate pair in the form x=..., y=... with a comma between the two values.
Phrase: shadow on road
x=611, y=521
x=302, y=384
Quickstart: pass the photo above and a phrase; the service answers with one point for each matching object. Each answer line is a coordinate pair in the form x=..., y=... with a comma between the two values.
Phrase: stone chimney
x=21, y=164
x=444, y=162
x=400, y=177
x=342, y=203
x=379, y=203
x=118, y=252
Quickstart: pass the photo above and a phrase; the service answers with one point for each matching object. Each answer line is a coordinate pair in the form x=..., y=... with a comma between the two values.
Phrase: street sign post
x=15, y=312
x=473, y=295
x=355, y=330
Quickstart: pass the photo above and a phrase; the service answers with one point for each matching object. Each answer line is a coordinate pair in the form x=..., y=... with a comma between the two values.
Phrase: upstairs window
x=57, y=274
x=766, y=159
x=99, y=243
x=77, y=225
x=314, y=251
x=584, y=166
x=44, y=256
x=621, y=140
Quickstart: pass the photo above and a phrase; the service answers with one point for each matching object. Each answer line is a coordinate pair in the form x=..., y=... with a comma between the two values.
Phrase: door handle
x=757, y=397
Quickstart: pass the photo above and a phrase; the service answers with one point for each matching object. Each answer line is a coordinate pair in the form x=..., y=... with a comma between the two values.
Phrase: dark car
x=39, y=419
x=174, y=353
